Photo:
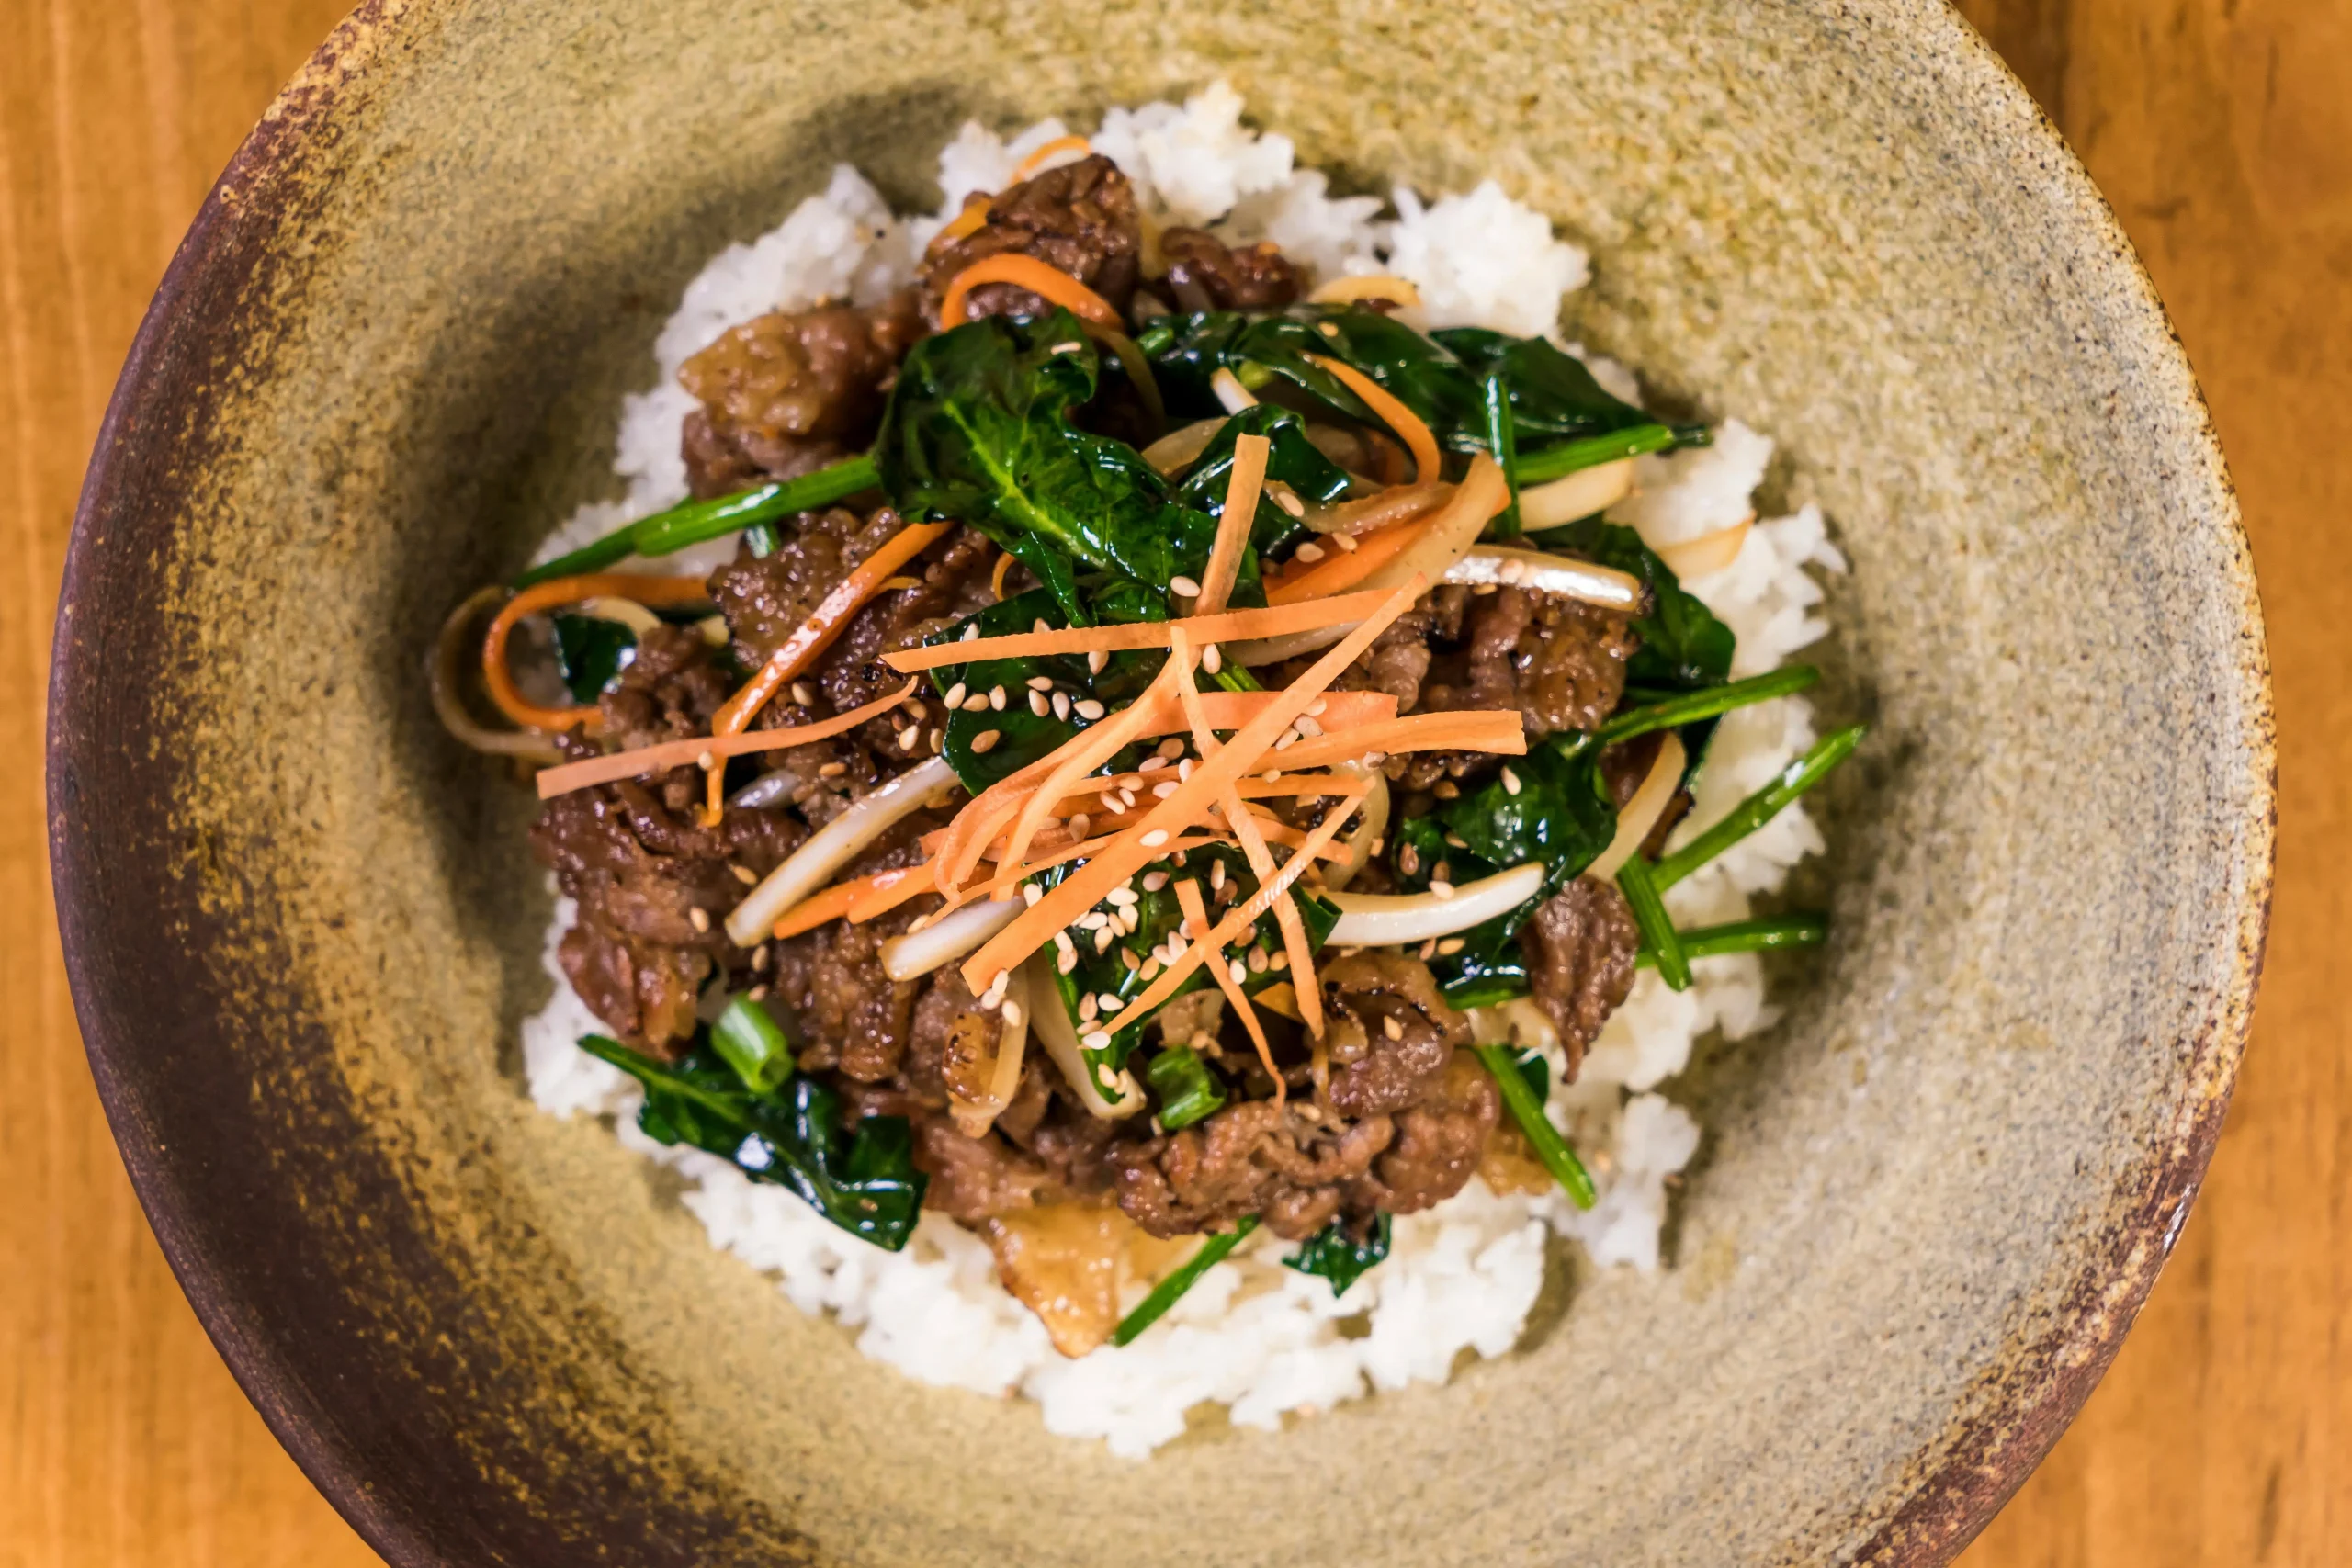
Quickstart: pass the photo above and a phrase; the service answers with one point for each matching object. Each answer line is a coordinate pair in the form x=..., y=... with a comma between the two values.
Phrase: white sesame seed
x=971, y=633
x=1066, y=347
x=1012, y=1015
x=1061, y=940
x=1345, y=541
x=1510, y=571
x=1216, y=876
x=1257, y=960
x=1096, y=661
x=1088, y=1008
x=1278, y=962
x=1111, y=1003
x=1457, y=841
x=1185, y=587
x=1068, y=960
x=1183, y=767
x=976, y=703
x=1041, y=682
x=1286, y=740
x=1211, y=659
x=1103, y=940
x=1307, y=726
x=985, y=741
x=1428, y=949
x=1039, y=625
x=743, y=874
x=706, y=762
x=1271, y=775
x=1081, y=824
x=919, y=923
x=1442, y=889
x=1171, y=748
x=1154, y=839
x=1087, y=708
x=1123, y=894
x=1097, y=1040
x=1127, y=956
x=1151, y=765
x=1030, y=894
x=938, y=740
x=1309, y=552
x=803, y=694
x=1153, y=881
x=1093, y=921
x=1329, y=329
x=758, y=993
x=700, y=918
x=1151, y=968
x=955, y=698
x=996, y=698
x=909, y=737
x=1450, y=946
x=760, y=958
x=1234, y=969
x=1510, y=782
x=1162, y=791
x=832, y=770
x=1391, y=1028
x=1038, y=705
x=1287, y=498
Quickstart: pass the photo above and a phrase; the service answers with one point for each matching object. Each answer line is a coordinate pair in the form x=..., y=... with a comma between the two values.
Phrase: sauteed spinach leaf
x=1340, y=1257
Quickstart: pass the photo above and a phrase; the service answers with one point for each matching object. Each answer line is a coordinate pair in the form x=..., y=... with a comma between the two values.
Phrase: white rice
x=1252, y=1336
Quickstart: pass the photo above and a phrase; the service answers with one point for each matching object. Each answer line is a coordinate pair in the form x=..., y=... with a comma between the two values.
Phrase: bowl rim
x=1992, y=1451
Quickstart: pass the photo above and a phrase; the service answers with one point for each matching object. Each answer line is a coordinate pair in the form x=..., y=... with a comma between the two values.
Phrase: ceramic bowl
x=302, y=923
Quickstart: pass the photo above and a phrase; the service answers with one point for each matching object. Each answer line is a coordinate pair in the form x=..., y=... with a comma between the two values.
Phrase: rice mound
x=1255, y=1337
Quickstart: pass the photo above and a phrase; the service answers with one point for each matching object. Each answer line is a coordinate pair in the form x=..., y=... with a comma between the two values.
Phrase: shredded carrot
x=1249, y=453
x=1040, y=278
x=1093, y=746
x=1080, y=892
x=1197, y=914
x=815, y=634
x=1043, y=155
x=827, y=903
x=547, y=595
x=680, y=754
x=890, y=889
x=1238, y=919
x=1345, y=568
x=1408, y=424
x=1501, y=731
x=996, y=575
x=1231, y=626
x=971, y=221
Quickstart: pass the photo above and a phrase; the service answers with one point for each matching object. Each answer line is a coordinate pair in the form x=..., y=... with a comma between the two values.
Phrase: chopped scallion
x=748, y=1040
x=1542, y=1136
x=1712, y=701
x=1501, y=440
x=1766, y=935
x=1558, y=462
x=693, y=521
x=1169, y=1291
x=1760, y=808
x=1188, y=1091
x=1659, y=935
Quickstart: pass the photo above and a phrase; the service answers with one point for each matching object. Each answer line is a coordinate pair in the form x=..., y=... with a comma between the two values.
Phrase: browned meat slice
x=1559, y=662
x=1067, y=1263
x=1579, y=949
x=1287, y=1163
x=1439, y=1143
x=976, y=1178
x=1080, y=218
x=791, y=392
x=645, y=993
x=853, y=1016
x=1391, y=1034
x=1206, y=274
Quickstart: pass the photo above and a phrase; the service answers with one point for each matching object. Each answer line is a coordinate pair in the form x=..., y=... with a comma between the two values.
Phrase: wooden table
x=2221, y=129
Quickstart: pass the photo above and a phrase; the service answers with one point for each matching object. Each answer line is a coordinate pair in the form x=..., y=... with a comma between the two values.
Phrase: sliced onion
x=442, y=674
x=1641, y=812
x=1579, y=494
x=1543, y=573
x=948, y=937
x=1370, y=826
x=621, y=612
x=768, y=789
x=1394, y=504
x=834, y=846
x=1366, y=285
x=1446, y=539
x=1708, y=552
x=1179, y=447
x=974, y=1117
x=1231, y=392
x=1059, y=1036
x=1385, y=920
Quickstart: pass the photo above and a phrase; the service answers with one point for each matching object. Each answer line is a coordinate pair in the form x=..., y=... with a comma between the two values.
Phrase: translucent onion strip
x=974, y=1117
x=840, y=842
x=1366, y=285
x=1641, y=812
x=1580, y=494
x=1708, y=552
x=1051, y=1020
x=1367, y=833
x=946, y=939
x=1581, y=581
x=445, y=672
x=1181, y=447
x=1386, y=920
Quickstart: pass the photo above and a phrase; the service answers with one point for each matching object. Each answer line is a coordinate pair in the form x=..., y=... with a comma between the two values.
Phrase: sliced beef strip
x=1391, y=1033
x=1287, y=1163
x=1206, y=274
x=1579, y=947
x=1044, y=1148
x=1437, y=1145
x=1080, y=218
x=791, y=392
x=1559, y=662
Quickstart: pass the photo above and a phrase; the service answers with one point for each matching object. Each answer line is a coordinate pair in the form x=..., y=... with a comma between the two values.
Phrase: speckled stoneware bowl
x=302, y=922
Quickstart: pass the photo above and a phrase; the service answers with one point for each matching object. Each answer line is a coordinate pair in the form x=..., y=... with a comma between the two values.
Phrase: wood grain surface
x=2221, y=129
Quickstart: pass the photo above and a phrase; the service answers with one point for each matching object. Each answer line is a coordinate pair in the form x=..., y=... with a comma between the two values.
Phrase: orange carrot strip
x=825, y=905
x=828, y=621
x=1080, y=892
x=890, y=889
x=547, y=595
x=1094, y=746
x=996, y=575
x=1398, y=418
x=1501, y=731
x=1241, y=916
x=1345, y=568
x=1054, y=149
x=1233, y=525
x=1197, y=912
x=971, y=221
x=1231, y=626
x=679, y=753
x=1040, y=278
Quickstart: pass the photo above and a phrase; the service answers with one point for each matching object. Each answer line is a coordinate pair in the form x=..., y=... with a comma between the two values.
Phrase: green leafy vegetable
x=978, y=429
x=1188, y=1091
x=1169, y=1291
x=693, y=521
x=1502, y=440
x=1762, y=806
x=1527, y=1110
x=1291, y=458
x=748, y=1040
x=1572, y=456
x=1693, y=707
x=867, y=1184
x=1334, y=1254
x=1770, y=934
x=1553, y=396
x=589, y=652
x=1657, y=927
